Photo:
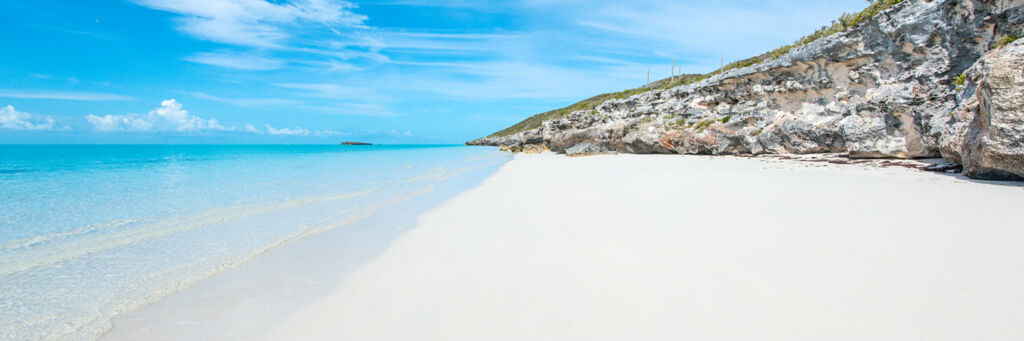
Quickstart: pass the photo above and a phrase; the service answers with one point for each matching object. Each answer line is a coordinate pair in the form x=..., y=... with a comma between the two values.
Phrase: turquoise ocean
x=88, y=232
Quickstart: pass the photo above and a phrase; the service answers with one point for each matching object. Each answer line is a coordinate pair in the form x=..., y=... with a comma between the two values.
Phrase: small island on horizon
x=354, y=143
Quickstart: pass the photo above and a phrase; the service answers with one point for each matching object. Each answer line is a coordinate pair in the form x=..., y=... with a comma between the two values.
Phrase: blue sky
x=323, y=71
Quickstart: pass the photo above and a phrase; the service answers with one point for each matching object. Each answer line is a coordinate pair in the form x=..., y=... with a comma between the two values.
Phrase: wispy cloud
x=495, y=80
x=168, y=117
x=680, y=28
x=399, y=133
x=249, y=102
x=343, y=99
x=257, y=29
x=324, y=33
x=329, y=132
x=296, y=131
x=241, y=61
x=354, y=109
x=287, y=131
x=326, y=90
x=332, y=66
x=75, y=32
x=254, y=23
x=61, y=95
x=434, y=42
x=16, y=120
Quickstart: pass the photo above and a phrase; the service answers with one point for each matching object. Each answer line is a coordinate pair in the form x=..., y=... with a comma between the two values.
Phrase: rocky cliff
x=920, y=79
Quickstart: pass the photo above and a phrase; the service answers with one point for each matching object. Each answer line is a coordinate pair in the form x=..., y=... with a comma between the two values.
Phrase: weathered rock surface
x=535, y=148
x=884, y=89
x=586, y=148
x=987, y=132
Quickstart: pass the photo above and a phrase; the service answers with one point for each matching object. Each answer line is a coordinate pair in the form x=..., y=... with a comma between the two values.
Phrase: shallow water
x=88, y=232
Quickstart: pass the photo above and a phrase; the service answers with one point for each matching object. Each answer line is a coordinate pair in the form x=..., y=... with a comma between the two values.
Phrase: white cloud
x=71, y=96
x=354, y=109
x=310, y=27
x=237, y=61
x=171, y=117
x=486, y=80
x=298, y=131
x=397, y=133
x=333, y=91
x=335, y=66
x=254, y=23
x=16, y=120
x=694, y=28
x=435, y=43
x=328, y=132
x=168, y=117
x=248, y=102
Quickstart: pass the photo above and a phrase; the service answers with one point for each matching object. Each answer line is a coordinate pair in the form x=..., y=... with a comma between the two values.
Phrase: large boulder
x=988, y=137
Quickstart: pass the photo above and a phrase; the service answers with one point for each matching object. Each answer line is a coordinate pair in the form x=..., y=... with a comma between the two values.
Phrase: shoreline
x=240, y=302
x=657, y=247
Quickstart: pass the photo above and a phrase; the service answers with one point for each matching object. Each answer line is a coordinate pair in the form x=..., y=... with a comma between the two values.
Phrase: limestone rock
x=989, y=134
x=510, y=148
x=883, y=89
x=534, y=148
x=586, y=148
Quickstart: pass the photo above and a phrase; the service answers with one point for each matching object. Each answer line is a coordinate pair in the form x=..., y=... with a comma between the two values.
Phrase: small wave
x=339, y=219
x=439, y=172
x=30, y=241
x=486, y=157
x=53, y=249
x=16, y=170
x=463, y=170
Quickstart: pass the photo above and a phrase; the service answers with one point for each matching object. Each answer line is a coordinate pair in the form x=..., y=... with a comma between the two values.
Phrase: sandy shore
x=659, y=247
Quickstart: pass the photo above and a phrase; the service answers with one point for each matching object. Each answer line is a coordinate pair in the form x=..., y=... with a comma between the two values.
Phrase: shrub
x=960, y=80
x=703, y=125
x=679, y=123
x=1006, y=40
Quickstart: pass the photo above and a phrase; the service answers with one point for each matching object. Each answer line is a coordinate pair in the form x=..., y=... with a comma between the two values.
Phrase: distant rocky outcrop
x=353, y=143
x=925, y=78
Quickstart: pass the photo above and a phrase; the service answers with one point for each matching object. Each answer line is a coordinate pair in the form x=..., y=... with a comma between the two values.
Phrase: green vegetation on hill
x=591, y=103
x=536, y=120
x=845, y=22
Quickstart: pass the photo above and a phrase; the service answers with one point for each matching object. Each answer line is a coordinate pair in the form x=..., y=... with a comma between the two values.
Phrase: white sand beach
x=647, y=247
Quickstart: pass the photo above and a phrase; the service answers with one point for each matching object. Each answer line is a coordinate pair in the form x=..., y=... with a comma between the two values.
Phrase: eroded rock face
x=586, y=148
x=987, y=132
x=534, y=148
x=882, y=90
